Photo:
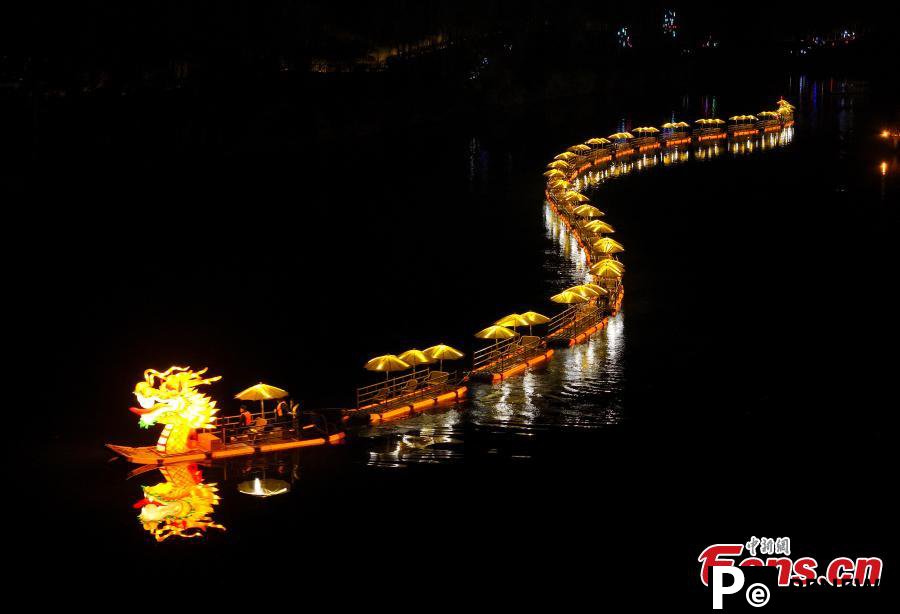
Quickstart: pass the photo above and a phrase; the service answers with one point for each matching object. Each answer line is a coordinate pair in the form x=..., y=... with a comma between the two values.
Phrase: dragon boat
x=192, y=432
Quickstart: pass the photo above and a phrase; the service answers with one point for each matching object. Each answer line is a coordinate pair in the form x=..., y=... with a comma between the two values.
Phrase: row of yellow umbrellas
x=389, y=363
x=561, y=161
x=579, y=294
x=501, y=328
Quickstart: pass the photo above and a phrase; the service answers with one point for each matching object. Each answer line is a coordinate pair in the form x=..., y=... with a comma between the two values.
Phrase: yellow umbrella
x=496, y=333
x=442, y=352
x=415, y=357
x=596, y=141
x=386, y=363
x=262, y=393
x=568, y=298
x=566, y=156
x=648, y=129
x=584, y=290
x=598, y=289
x=579, y=148
x=554, y=173
x=598, y=226
x=560, y=183
x=607, y=269
x=559, y=165
x=606, y=245
x=513, y=320
x=588, y=211
x=534, y=317
x=577, y=196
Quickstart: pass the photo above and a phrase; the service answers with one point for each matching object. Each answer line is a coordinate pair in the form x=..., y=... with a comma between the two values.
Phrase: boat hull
x=147, y=455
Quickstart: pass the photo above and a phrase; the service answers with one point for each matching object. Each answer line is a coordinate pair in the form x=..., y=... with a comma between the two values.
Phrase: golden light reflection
x=181, y=506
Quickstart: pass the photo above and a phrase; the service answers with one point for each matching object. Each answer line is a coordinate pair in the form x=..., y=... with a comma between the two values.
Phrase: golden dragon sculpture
x=171, y=398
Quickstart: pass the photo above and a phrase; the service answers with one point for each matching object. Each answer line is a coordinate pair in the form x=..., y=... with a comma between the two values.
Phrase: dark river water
x=740, y=391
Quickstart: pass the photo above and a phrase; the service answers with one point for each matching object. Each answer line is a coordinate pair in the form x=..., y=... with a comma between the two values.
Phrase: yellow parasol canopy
x=598, y=226
x=582, y=291
x=596, y=288
x=588, y=211
x=579, y=148
x=415, y=357
x=597, y=141
x=576, y=196
x=495, y=332
x=261, y=392
x=512, y=320
x=442, y=352
x=620, y=135
x=607, y=263
x=559, y=164
x=534, y=317
x=647, y=129
x=566, y=155
x=554, y=173
x=606, y=245
x=767, y=114
x=568, y=298
x=386, y=363
x=561, y=184
x=607, y=269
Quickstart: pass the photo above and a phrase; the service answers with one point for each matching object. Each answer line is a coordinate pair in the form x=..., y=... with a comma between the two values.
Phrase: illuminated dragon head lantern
x=181, y=506
x=785, y=108
x=171, y=398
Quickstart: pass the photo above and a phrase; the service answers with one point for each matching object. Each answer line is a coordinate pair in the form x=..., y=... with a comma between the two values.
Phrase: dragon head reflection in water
x=180, y=506
x=171, y=398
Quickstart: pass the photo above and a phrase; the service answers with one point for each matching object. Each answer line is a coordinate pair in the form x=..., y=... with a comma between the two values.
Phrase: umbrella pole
x=262, y=407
